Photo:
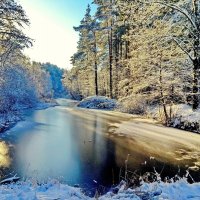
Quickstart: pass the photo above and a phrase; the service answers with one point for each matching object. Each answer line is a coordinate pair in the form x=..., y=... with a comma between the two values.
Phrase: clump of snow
x=98, y=102
x=180, y=190
x=10, y=180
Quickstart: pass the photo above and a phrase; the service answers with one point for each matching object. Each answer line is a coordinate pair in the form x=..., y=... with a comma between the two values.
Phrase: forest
x=145, y=54
x=23, y=83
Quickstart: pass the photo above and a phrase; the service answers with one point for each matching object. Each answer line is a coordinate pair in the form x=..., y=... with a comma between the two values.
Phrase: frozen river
x=89, y=147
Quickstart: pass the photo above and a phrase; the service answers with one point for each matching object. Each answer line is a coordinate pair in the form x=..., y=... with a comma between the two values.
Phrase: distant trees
x=56, y=76
x=22, y=86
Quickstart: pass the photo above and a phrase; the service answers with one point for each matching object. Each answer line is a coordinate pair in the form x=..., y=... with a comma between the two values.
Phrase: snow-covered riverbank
x=53, y=190
x=8, y=120
x=183, y=117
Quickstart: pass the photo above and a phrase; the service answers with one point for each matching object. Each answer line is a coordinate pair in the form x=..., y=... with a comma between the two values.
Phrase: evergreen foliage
x=146, y=52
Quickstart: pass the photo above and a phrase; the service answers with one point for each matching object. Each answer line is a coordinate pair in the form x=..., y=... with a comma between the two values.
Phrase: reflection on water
x=4, y=155
x=85, y=147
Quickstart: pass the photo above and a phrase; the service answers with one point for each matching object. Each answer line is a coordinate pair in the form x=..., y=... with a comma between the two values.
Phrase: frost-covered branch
x=180, y=10
x=182, y=48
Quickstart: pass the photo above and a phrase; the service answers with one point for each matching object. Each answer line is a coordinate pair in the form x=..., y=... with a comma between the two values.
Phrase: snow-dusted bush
x=98, y=102
x=134, y=104
x=22, y=86
x=16, y=90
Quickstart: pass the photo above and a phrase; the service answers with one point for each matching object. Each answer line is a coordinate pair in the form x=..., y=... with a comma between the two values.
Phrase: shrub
x=134, y=104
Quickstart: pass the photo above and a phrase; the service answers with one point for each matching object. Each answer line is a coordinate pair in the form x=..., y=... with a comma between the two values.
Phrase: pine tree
x=87, y=47
x=12, y=38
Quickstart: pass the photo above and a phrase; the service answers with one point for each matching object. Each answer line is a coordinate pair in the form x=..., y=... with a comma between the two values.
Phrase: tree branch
x=186, y=52
x=180, y=10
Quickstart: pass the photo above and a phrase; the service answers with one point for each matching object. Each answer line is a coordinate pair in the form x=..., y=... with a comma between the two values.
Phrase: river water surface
x=89, y=147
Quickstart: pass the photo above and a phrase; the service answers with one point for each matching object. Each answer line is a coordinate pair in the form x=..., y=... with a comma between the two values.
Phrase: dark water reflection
x=78, y=147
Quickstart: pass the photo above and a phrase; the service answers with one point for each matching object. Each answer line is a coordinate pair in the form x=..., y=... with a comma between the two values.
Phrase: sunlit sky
x=51, y=27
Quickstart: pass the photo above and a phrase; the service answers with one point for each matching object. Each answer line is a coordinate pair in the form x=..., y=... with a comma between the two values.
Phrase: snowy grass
x=53, y=190
x=98, y=102
x=30, y=190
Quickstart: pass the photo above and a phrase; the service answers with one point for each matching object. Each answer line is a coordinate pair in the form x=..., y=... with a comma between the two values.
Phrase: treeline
x=143, y=53
x=23, y=83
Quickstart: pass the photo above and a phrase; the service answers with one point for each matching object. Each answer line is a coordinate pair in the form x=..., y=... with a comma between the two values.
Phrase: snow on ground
x=7, y=120
x=180, y=190
x=182, y=111
x=98, y=102
x=53, y=190
x=183, y=117
x=186, y=113
x=32, y=191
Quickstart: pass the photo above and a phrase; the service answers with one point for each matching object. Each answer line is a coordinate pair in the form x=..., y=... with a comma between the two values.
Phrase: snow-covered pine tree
x=87, y=55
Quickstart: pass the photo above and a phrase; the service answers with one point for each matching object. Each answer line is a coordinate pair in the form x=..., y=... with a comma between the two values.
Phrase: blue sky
x=51, y=27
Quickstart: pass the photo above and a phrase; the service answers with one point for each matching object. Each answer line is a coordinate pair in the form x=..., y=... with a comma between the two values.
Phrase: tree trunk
x=121, y=49
x=171, y=102
x=116, y=66
x=162, y=94
x=196, y=61
x=195, y=89
x=95, y=66
x=110, y=42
